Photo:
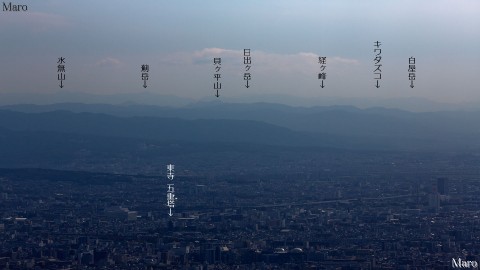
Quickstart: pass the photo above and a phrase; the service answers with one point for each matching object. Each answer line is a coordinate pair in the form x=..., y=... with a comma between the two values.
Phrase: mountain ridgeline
x=65, y=129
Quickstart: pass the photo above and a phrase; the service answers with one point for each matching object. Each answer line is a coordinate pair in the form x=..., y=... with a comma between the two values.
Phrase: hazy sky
x=105, y=42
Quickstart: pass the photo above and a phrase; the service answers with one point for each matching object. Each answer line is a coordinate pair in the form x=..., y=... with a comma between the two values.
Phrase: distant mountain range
x=414, y=104
x=341, y=127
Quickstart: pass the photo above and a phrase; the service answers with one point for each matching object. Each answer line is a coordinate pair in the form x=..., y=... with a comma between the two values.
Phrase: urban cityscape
x=285, y=218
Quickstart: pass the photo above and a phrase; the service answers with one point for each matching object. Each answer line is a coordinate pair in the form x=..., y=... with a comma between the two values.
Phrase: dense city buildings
x=296, y=216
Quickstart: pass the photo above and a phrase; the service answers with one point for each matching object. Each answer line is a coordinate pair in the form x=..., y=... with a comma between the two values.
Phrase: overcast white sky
x=105, y=42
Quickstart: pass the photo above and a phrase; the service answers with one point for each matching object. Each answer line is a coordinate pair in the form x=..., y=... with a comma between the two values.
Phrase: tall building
x=434, y=201
x=442, y=185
